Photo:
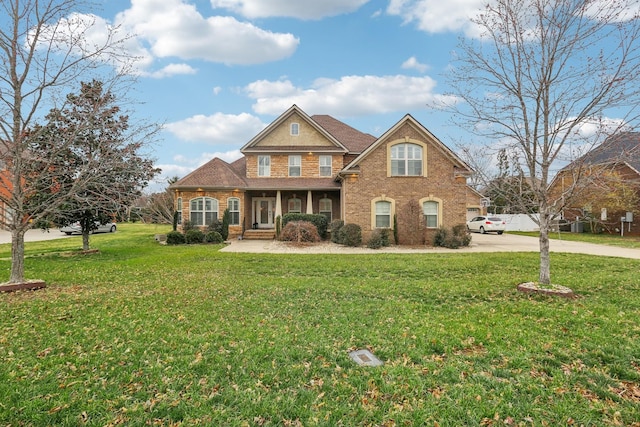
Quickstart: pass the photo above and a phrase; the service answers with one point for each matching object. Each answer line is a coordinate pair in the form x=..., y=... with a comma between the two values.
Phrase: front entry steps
x=259, y=234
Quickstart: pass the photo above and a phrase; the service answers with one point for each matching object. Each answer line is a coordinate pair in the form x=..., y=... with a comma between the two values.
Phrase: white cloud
x=350, y=96
x=412, y=63
x=171, y=70
x=301, y=9
x=437, y=16
x=217, y=129
x=173, y=28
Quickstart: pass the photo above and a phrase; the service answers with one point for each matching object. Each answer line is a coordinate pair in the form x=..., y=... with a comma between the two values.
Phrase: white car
x=486, y=224
x=75, y=228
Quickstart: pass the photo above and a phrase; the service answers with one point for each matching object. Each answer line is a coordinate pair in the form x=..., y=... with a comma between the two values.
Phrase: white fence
x=519, y=222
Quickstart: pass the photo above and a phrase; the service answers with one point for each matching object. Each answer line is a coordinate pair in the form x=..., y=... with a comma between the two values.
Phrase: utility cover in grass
x=365, y=358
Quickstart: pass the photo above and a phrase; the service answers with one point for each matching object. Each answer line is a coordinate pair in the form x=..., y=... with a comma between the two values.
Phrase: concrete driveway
x=479, y=243
x=34, y=235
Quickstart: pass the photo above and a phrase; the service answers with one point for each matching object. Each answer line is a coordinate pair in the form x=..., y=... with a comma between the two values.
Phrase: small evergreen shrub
x=226, y=218
x=452, y=238
x=187, y=225
x=351, y=235
x=213, y=237
x=175, y=238
x=278, y=226
x=194, y=236
x=335, y=227
x=320, y=221
x=379, y=238
x=300, y=232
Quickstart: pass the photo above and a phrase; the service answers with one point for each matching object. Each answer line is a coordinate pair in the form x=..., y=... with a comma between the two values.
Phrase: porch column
x=309, y=203
x=278, y=205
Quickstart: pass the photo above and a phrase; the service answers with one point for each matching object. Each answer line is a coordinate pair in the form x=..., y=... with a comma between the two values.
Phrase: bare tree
x=46, y=47
x=539, y=75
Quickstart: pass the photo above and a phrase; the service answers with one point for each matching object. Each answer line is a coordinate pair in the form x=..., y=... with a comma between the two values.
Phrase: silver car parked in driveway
x=75, y=228
x=486, y=224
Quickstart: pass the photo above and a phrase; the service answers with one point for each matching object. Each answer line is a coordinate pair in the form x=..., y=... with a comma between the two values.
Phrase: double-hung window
x=233, y=204
x=264, y=165
x=430, y=211
x=295, y=129
x=325, y=208
x=203, y=211
x=295, y=205
x=383, y=214
x=325, y=166
x=295, y=165
x=406, y=160
x=179, y=210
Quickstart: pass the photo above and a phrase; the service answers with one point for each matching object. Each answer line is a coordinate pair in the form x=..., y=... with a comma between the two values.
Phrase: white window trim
x=233, y=199
x=330, y=211
x=294, y=165
x=266, y=169
x=294, y=129
x=204, y=210
x=330, y=165
x=407, y=141
x=439, y=202
x=299, y=200
x=373, y=211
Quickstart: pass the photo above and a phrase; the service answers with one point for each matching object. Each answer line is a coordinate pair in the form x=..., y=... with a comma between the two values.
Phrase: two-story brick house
x=317, y=164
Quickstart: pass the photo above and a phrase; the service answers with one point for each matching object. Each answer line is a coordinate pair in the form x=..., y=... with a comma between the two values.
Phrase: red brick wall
x=372, y=182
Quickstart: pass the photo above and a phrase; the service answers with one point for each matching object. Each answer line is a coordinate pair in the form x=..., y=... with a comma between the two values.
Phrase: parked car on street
x=75, y=228
x=486, y=224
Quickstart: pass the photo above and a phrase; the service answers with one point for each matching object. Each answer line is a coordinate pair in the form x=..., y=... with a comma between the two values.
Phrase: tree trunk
x=17, y=255
x=545, y=262
x=85, y=240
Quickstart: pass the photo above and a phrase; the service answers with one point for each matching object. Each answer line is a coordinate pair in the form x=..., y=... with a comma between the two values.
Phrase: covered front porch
x=266, y=206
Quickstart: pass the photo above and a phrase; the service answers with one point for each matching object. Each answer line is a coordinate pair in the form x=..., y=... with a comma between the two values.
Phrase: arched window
x=203, y=211
x=325, y=208
x=383, y=214
x=406, y=160
x=295, y=205
x=233, y=204
x=431, y=210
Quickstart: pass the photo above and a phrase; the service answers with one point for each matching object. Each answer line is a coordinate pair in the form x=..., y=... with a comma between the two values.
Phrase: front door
x=263, y=211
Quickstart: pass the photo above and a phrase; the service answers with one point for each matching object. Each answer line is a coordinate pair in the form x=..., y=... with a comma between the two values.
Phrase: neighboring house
x=317, y=164
x=603, y=185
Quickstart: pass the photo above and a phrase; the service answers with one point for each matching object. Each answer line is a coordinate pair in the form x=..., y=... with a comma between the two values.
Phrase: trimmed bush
x=187, y=225
x=351, y=235
x=452, y=238
x=320, y=221
x=379, y=238
x=175, y=238
x=300, y=232
x=194, y=236
x=213, y=237
x=335, y=227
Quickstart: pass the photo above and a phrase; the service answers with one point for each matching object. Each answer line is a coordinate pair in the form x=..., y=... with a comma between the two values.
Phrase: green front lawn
x=143, y=334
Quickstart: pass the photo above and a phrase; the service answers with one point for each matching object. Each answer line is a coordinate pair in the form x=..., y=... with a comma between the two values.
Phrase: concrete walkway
x=479, y=243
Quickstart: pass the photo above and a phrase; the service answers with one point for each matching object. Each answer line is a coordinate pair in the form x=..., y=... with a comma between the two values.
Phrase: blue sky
x=217, y=71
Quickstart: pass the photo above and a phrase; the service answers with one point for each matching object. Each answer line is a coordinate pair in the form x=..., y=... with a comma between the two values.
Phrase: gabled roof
x=294, y=109
x=351, y=138
x=215, y=173
x=622, y=147
x=463, y=168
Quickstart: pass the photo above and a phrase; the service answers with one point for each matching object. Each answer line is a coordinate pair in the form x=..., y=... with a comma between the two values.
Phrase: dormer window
x=295, y=129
